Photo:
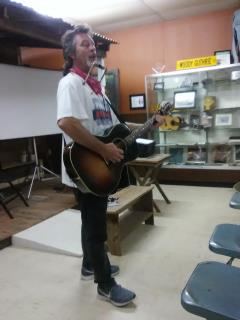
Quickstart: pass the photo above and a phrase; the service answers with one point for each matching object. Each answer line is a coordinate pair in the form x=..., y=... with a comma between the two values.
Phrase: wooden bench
x=135, y=205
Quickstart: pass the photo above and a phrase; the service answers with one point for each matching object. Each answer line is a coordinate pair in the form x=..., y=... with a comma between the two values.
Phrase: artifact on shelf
x=196, y=154
x=206, y=120
x=209, y=103
x=221, y=153
x=171, y=123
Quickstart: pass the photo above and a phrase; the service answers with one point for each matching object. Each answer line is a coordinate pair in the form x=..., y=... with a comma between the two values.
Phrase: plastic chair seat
x=225, y=240
x=213, y=292
x=235, y=201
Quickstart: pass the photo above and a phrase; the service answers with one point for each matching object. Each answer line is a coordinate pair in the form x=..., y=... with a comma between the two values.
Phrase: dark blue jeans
x=94, y=234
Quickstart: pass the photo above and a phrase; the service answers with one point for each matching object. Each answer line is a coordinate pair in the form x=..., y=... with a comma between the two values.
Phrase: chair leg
x=19, y=194
x=7, y=211
x=230, y=261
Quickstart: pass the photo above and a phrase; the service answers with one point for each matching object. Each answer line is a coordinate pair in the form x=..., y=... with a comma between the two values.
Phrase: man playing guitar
x=83, y=113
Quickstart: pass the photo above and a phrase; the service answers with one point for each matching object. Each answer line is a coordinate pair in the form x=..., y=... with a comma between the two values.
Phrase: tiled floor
x=156, y=263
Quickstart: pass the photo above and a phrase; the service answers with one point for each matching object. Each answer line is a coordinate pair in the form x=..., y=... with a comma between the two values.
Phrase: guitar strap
x=114, y=111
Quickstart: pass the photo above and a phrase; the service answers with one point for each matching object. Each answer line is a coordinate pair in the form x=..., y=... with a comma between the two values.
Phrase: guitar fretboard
x=140, y=131
x=165, y=109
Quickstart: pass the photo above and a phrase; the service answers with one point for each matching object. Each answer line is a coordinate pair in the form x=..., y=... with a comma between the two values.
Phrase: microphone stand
x=94, y=64
x=38, y=168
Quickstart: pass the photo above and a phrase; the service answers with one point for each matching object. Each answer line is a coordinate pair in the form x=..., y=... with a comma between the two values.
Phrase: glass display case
x=203, y=129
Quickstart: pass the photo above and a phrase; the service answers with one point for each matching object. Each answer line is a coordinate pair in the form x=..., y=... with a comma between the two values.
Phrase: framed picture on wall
x=223, y=57
x=137, y=101
x=224, y=119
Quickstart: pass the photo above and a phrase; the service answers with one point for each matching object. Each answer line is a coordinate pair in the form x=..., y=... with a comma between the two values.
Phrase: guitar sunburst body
x=90, y=172
x=96, y=175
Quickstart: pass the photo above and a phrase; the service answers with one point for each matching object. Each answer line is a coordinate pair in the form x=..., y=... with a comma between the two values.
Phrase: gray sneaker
x=88, y=274
x=117, y=295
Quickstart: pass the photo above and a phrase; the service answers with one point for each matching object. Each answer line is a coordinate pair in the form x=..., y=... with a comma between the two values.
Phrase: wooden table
x=135, y=205
x=151, y=166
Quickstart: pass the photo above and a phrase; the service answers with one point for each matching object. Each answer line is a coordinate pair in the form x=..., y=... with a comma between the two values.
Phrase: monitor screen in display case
x=185, y=99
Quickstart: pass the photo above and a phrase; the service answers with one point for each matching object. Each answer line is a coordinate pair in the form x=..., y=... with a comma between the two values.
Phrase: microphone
x=99, y=66
x=94, y=64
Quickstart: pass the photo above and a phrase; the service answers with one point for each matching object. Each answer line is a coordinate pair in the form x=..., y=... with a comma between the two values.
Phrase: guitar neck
x=165, y=109
x=140, y=131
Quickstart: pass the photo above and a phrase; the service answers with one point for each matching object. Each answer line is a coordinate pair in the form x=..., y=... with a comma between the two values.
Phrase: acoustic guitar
x=90, y=172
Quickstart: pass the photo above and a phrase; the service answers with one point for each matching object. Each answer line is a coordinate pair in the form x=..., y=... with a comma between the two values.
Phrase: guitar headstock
x=165, y=108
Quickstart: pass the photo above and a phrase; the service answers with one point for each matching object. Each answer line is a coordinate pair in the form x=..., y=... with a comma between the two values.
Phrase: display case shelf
x=207, y=166
x=208, y=104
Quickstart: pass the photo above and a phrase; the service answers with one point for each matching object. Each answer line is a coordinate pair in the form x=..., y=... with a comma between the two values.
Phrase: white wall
x=27, y=102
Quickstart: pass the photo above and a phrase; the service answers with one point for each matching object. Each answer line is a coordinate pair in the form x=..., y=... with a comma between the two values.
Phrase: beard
x=93, y=69
x=90, y=63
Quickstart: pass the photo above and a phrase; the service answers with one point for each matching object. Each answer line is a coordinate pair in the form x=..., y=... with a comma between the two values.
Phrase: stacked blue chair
x=213, y=290
x=225, y=239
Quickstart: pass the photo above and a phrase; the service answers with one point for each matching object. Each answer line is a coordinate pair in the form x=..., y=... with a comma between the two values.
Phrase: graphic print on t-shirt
x=101, y=111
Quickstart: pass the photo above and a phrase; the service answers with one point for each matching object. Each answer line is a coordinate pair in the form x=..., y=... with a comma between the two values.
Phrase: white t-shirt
x=76, y=99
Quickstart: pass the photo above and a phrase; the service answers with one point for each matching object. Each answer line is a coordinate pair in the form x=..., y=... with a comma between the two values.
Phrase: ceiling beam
x=31, y=32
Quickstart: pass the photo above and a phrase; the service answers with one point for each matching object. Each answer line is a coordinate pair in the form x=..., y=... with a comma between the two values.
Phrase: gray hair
x=68, y=44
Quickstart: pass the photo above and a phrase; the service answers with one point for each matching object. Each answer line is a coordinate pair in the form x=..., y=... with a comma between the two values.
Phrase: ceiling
x=113, y=15
x=23, y=26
